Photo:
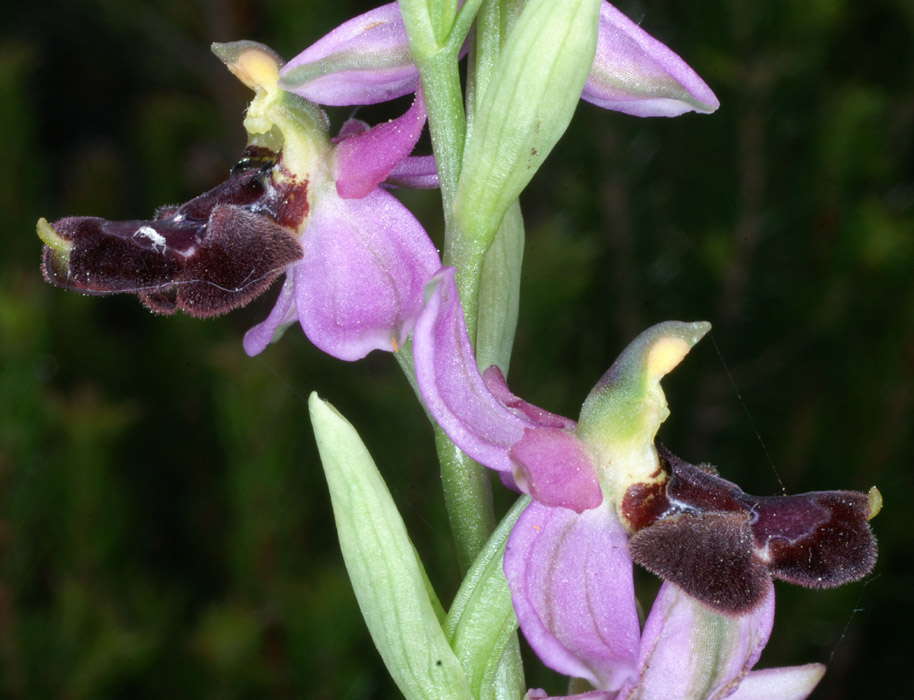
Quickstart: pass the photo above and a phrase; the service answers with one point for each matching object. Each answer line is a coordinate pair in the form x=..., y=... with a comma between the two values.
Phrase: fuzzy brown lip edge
x=208, y=256
x=722, y=546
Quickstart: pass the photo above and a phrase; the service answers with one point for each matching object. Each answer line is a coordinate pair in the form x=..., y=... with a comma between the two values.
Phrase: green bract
x=527, y=106
x=429, y=655
x=499, y=292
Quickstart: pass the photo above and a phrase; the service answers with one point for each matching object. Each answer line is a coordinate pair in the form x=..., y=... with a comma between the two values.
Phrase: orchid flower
x=356, y=260
x=366, y=60
x=685, y=652
x=603, y=493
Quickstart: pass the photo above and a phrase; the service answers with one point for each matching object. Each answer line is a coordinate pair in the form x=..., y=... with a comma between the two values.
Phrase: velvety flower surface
x=723, y=545
x=298, y=202
x=366, y=60
x=205, y=257
x=600, y=485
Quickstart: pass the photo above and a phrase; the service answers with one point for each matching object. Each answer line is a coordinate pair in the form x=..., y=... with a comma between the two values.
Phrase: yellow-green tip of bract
x=875, y=502
x=622, y=414
x=49, y=237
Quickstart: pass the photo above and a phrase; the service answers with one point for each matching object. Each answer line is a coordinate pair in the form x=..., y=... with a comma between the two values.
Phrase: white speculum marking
x=157, y=239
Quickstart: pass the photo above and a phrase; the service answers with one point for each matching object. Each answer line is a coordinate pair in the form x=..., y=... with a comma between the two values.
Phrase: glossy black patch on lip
x=208, y=256
x=721, y=545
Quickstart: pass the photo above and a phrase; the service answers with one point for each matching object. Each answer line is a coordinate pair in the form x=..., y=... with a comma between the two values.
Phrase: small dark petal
x=720, y=544
x=243, y=189
x=708, y=555
x=698, y=488
x=817, y=540
x=268, y=188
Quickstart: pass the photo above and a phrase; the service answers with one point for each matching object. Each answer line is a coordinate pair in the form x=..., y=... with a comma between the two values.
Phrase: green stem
x=468, y=244
x=467, y=491
x=446, y=120
x=466, y=486
x=468, y=498
x=436, y=58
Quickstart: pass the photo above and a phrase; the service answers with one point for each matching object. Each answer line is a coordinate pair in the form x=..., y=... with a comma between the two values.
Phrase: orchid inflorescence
x=598, y=493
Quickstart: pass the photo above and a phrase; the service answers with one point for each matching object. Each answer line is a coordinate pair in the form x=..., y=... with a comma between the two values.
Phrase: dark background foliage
x=165, y=530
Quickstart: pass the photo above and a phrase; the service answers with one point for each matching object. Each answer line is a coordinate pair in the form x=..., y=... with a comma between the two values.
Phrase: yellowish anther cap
x=257, y=68
x=255, y=65
x=665, y=354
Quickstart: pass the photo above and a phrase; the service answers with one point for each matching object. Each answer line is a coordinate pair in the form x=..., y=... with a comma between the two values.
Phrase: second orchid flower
x=604, y=494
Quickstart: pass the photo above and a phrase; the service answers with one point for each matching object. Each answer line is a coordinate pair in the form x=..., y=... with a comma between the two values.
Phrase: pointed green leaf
x=388, y=579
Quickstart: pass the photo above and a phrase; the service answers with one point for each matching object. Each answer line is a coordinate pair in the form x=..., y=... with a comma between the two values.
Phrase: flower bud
x=363, y=61
x=636, y=74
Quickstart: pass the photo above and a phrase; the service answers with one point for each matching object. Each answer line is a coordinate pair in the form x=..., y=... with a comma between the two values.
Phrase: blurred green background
x=165, y=530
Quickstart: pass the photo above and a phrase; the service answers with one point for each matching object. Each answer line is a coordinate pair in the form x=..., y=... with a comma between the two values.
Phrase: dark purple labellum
x=208, y=256
x=721, y=545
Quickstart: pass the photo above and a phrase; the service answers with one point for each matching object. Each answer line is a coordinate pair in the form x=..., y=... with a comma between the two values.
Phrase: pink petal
x=417, y=172
x=636, y=74
x=283, y=314
x=556, y=469
x=351, y=127
x=689, y=651
x=788, y=683
x=496, y=383
x=451, y=385
x=519, y=439
x=540, y=694
x=359, y=286
x=364, y=160
x=571, y=583
x=363, y=61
